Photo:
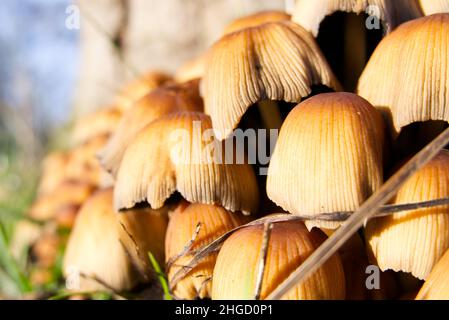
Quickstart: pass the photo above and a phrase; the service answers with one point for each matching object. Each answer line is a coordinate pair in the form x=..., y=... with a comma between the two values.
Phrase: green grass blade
x=161, y=276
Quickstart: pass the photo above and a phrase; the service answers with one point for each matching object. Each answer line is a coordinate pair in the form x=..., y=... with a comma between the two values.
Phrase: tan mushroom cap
x=68, y=192
x=192, y=69
x=94, y=250
x=309, y=14
x=413, y=241
x=434, y=6
x=407, y=75
x=436, y=286
x=290, y=243
x=53, y=171
x=136, y=89
x=276, y=61
x=256, y=19
x=101, y=122
x=328, y=157
x=176, y=153
x=157, y=103
x=214, y=221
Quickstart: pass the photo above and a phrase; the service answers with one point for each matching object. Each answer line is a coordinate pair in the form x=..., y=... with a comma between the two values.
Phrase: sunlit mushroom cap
x=140, y=87
x=101, y=122
x=276, y=61
x=94, y=255
x=159, y=102
x=309, y=14
x=434, y=6
x=289, y=245
x=407, y=75
x=179, y=153
x=256, y=19
x=413, y=241
x=67, y=193
x=436, y=286
x=212, y=221
x=328, y=157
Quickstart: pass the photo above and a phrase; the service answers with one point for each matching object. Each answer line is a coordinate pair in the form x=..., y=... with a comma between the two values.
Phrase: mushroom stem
x=366, y=211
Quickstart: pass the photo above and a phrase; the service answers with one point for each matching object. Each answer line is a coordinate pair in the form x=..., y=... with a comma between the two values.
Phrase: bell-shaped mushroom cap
x=192, y=69
x=159, y=102
x=289, y=245
x=256, y=19
x=178, y=152
x=94, y=254
x=101, y=122
x=436, y=286
x=309, y=14
x=407, y=75
x=413, y=241
x=328, y=157
x=67, y=193
x=204, y=224
x=276, y=61
x=434, y=6
x=136, y=89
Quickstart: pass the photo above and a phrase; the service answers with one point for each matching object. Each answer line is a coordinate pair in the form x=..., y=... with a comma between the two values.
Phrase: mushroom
x=275, y=61
x=436, y=286
x=179, y=152
x=157, y=103
x=96, y=258
x=434, y=6
x=416, y=54
x=256, y=19
x=413, y=241
x=192, y=69
x=136, y=89
x=53, y=171
x=288, y=245
x=191, y=227
x=328, y=157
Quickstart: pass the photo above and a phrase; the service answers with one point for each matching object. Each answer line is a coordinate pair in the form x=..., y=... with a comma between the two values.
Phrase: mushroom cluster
x=168, y=176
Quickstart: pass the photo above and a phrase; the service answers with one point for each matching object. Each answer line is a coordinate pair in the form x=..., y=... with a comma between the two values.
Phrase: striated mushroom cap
x=413, y=241
x=309, y=14
x=436, y=286
x=276, y=61
x=256, y=19
x=289, y=245
x=213, y=222
x=407, y=75
x=328, y=157
x=178, y=152
x=159, y=102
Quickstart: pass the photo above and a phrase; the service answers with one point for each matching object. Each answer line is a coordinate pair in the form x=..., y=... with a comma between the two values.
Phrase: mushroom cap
x=309, y=14
x=214, y=221
x=136, y=89
x=69, y=192
x=436, y=286
x=178, y=152
x=256, y=19
x=434, y=6
x=407, y=75
x=192, y=69
x=276, y=61
x=94, y=248
x=157, y=103
x=328, y=157
x=53, y=171
x=290, y=244
x=101, y=122
x=413, y=241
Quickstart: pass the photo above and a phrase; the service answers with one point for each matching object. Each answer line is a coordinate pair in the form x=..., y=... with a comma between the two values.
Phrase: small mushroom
x=328, y=157
x=413, y=241
x=256, y=19
x=191, y=227
x=289, y=244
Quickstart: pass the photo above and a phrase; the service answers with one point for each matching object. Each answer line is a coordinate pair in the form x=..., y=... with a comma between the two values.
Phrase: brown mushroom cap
x=290, y=243
x=192, y=69
x=309, y=14
x=213, y=222
x=276, y=61
x=413, y=241
x=407, y=75
x=328, y=157
x=176, y=153
x=157, y=103
x=436, y=286
x=256, y=19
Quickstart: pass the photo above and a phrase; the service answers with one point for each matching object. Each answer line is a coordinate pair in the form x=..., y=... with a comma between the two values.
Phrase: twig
x=187, y=247
x=112, y=290
x=356, y=220
x=262, y=259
